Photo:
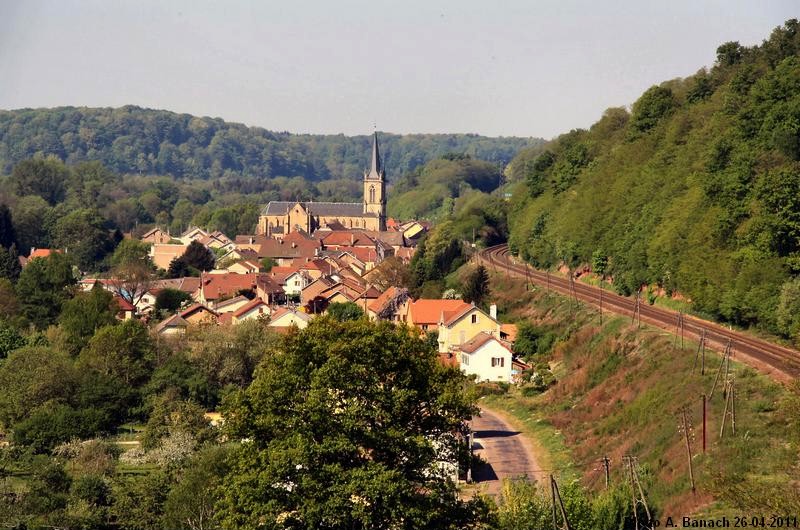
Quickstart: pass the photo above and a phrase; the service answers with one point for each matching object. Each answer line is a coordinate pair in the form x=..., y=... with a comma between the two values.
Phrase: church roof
x=325, y=209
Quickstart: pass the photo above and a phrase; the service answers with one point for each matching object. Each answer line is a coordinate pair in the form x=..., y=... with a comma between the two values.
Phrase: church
x=279, y=218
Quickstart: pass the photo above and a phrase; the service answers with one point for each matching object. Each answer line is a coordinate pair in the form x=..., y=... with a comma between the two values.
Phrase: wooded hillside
x=696, y=189
x=135, y=140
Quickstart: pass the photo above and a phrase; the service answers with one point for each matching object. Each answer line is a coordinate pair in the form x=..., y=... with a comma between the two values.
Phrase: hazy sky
x=528, y=68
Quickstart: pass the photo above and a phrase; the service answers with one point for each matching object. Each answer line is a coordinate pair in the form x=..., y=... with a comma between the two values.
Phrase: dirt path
x=506, y=451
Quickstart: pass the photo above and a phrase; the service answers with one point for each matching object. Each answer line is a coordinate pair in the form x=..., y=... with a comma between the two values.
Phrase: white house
x=285, y=318
x=258, y=308
x=485, y=356
x=295, y=282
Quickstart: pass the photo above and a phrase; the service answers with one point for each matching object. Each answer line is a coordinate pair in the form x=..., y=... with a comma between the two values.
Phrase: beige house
x=163, y=254
x=485, y=357
x=254, y=310
x=285, y=318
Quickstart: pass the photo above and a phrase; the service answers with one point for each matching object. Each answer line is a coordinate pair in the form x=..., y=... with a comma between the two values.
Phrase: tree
x=8, y=235
x=171, y=299
x=729, y=53
x=124, y=352
x=131, y=280
x=178, y=268
x=198, y=256
x=392, y=272
x=476, y=285
x=84, y=235
x=344, y=311
x=83, y=315
x=43, y=177
x=267, y=264
x=10, y=339
x=344, y=422
x=653, y=105
x=191, y=502
x=44, y=285
x=129, y=252
x=9, y=306
x=527, y=341
x=9, y=263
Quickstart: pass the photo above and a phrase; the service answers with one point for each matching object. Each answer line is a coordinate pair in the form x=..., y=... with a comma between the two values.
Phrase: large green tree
x=84, y=234
x=344, y=424
x=43, y=287
x=43, y=177
x=8, y=235
x=83, y=315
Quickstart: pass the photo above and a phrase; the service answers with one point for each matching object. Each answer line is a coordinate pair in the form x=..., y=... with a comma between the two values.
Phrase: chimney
x=493, y=311
x=352, y=239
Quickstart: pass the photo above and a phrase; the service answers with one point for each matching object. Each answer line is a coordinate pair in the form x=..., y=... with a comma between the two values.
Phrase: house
x=156, y=236
x=174, y=325
x=284, y=318
x=38, y=253
x=197, y=314
x=217, y=287
x=284, y=252
x=231, y=305
x=256, y=309
x=457, y=327
x=126, y=310
x=388, y=305
x=315, y=289
x=486, y=357
x=426, y=312
x=270, y=290
x=239, y=253
x=245, y=266
x=295, y=282
x=192, y=234
x=163, y=254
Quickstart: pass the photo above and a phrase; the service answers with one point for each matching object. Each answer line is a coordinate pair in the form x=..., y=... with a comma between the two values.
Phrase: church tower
x=375, y=186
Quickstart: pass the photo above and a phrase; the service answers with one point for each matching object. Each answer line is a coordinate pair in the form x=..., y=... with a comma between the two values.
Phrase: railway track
x=780, y=362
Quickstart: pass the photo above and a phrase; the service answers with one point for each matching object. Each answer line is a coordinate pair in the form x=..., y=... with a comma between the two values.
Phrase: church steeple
x=375, y=186
x=376, y=169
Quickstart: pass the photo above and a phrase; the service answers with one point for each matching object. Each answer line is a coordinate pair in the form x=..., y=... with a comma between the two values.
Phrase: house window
x=474, y=319
x=465, y=359
x=498, y=362
x=424, y=327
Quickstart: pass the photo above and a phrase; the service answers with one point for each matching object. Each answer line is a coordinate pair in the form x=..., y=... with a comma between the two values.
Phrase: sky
x=493, y=67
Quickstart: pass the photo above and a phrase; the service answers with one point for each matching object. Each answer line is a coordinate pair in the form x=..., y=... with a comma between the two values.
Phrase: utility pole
x=548, y=280
x=636, y=486
x=686, y=428
x=724, y=363
x=729, y=411
x=701, y=351
x=704, y=423
x=606, y=465
x=637, y=309
x=556, y=496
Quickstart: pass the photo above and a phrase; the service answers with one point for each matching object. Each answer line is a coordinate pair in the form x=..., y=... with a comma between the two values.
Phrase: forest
x=694, y=191
x=133, y=140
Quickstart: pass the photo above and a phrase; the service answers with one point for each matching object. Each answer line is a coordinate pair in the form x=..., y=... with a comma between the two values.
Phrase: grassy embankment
x=620, y=391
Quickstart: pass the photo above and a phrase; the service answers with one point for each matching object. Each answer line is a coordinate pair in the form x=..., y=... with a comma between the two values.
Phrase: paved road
x=507, y=453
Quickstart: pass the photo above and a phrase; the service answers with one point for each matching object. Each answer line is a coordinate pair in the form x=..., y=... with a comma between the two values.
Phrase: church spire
x=376, y=169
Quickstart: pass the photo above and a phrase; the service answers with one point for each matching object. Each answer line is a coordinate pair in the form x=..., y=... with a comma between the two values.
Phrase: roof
x=450, y=318
x=349, y=238
x=188, y=284
x=273, y=248
x=124, y=305
x=175, y=321
x=325, y=209
x=428, y=311
x=194, y=308
x=479, y=340
x=376, y=169
x=282, y=311
x=40, y=253
x=391, y=238
x=249, y=307
x=230, y=301
x=387, y=297
x=215, y=286
x=509, y=330
x=153, y=231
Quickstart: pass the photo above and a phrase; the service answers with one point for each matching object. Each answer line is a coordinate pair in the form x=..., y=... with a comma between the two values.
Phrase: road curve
x=505, y=450
x=780, y=362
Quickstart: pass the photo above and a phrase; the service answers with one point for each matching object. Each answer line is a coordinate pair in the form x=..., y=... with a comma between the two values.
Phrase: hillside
x=613, y=390
x=135, y=140
x=694, y=191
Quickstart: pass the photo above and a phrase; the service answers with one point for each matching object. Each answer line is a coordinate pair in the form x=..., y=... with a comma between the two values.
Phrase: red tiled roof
x=41, y=253
x=377, y=305
x=428, y=311
x=194, y=308
x=123, y=304
x=347, y=238
x=472, y=345
x=249, y=307
x=273, y=248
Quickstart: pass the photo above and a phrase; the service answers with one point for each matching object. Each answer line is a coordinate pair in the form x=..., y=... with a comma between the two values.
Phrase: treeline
x=144, y=141
x=695, y=190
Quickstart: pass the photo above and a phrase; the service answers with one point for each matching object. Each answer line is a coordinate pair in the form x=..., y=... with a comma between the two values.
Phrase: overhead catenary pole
x=686, y=433
x=606, y=465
